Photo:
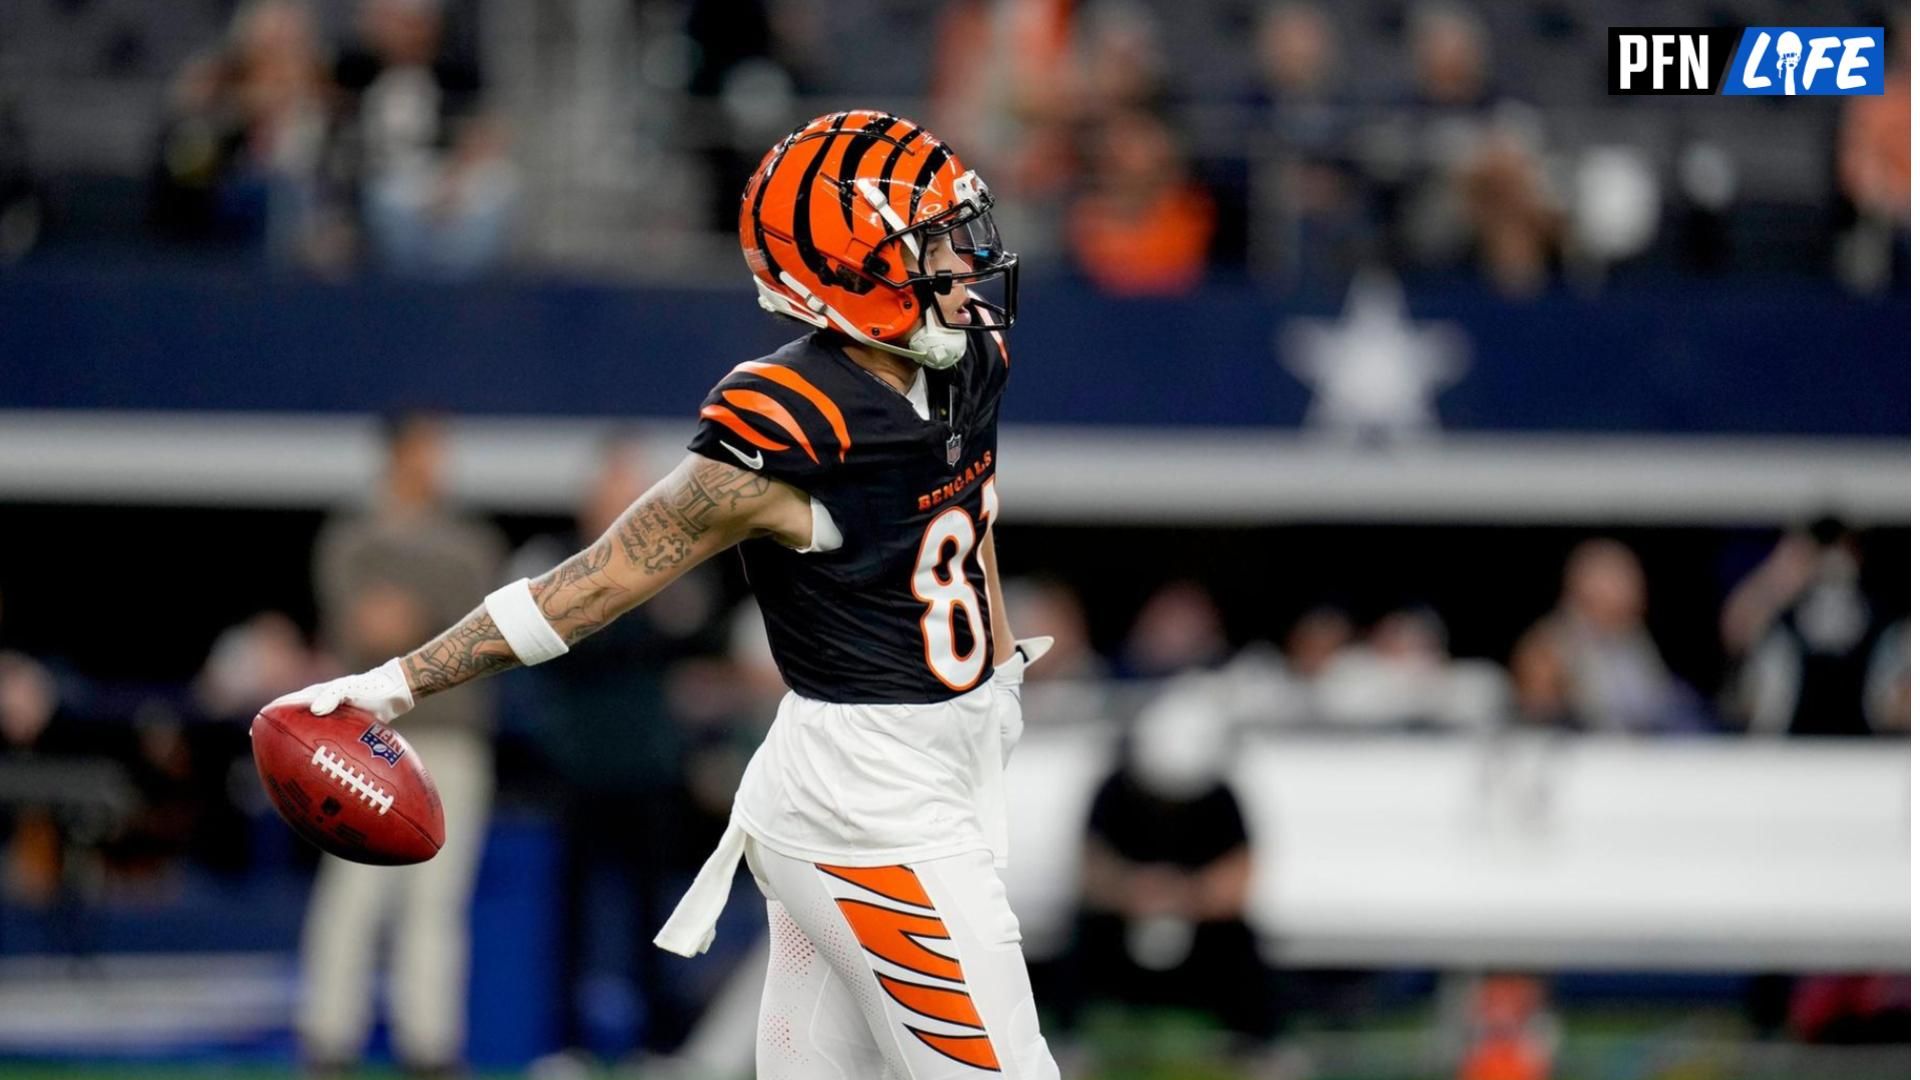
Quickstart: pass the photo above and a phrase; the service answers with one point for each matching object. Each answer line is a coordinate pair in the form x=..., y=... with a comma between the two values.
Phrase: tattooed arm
x=700, y=509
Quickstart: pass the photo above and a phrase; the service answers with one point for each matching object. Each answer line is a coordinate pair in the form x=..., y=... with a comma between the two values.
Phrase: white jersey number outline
x=944, y=593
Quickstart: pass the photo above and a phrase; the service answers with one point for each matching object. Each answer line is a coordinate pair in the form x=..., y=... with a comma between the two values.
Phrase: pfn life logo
x=1791, y=61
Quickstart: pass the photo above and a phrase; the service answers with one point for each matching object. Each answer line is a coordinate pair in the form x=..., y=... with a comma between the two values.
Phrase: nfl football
x=349, y=784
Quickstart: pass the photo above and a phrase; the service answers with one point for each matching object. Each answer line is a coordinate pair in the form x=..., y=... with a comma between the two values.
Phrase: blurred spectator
x=1460, y=178
x=1004, y=88
x=1511, y=1034
x=1402, y=676
x=1166, y=873
x=242, y=151
x=256, y=661
x=1890, y=680
x=1517, y=226
x=386, y=580
x=1178, y=629
x=1449, y=51
x=1595, y=648
x=1264, y=685
x=20, y=209
x=1070, y=685
x=437, y=189
x=1318, y=226
x=742, y=87
x=32, y=858
x=1046, y=607
x=1122, y=65
x=1875, y=169
x=1143, y=227
x=1316, y=639
x=1852, y=1009
x=1808, y=674
x=616, y=745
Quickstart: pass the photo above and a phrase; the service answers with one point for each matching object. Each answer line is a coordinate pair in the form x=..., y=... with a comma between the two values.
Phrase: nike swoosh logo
x=753, y=461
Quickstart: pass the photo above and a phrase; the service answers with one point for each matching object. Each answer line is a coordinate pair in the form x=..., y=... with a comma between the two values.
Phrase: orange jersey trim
x=723, y=415
x=798, y=383
x=755, y=401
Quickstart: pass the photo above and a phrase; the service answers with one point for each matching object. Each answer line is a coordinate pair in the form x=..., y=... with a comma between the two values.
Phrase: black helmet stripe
x=935, y=159
x=914, y=131
x=857, y=149
x=803, y=200
x=760, y=197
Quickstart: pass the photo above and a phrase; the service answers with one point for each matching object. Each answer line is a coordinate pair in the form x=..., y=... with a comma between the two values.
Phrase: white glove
x=382, y=692
x=1006, y=691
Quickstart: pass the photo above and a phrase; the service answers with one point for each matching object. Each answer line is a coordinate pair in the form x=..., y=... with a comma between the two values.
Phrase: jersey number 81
x=940, y=582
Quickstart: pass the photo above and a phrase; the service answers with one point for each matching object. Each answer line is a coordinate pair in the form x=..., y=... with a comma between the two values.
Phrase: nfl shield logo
x=953, y=450
x=381, y=745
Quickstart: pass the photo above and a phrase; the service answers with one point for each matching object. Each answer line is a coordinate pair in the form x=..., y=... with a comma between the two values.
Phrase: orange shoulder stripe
x=723, y=415
x=755, y=401
x=798, y=383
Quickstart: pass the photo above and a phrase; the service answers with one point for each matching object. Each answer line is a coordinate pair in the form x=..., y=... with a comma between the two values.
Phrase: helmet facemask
x=988, y=272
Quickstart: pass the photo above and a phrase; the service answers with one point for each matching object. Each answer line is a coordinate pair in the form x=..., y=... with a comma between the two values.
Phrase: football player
x=854, y=469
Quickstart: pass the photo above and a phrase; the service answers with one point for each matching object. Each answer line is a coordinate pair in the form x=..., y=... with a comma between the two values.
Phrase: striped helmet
x=836, y=223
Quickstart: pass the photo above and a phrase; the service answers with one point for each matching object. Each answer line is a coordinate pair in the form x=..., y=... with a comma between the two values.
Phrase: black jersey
x=899, y=612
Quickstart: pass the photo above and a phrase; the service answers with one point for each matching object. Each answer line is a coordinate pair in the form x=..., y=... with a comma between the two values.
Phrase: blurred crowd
x=109, y=788
x=376, y=149
x=1132, y=143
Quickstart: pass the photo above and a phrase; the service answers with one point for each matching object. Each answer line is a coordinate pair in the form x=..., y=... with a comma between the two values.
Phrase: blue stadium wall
x=1781, y=357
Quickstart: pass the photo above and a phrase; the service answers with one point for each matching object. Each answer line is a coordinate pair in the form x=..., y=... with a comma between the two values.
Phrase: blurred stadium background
x=1474, y=510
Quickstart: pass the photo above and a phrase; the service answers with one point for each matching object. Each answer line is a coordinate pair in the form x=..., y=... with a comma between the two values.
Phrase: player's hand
x=1006, y=691
x=383, y=692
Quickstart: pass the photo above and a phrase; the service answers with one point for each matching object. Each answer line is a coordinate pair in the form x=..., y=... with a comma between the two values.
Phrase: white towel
x=689, y=930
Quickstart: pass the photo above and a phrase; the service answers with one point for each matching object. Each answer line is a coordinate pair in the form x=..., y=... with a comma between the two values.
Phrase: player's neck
x=895, y=371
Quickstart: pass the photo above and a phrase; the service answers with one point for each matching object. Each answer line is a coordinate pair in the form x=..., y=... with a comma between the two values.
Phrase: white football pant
x=909, y=972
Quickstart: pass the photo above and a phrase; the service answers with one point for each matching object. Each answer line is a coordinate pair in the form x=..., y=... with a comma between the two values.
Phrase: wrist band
x=532, y=639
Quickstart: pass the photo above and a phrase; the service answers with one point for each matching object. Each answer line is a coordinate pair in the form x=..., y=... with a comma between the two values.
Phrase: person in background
x=21, y=213
x=614, y=740
x=32, y=850
x=1166, y=873
x=1403, y=676
x=255, y=661
x=1179, y=628
x=1890, y=681
x=1316, y=226
x=1808, y=673
x=384, y=577
x=1053, y=609
x=1071, y=684
x=1875, y=169
x=243, y=151
x=1597, y=641
x=1143, y=227
x=437, y=189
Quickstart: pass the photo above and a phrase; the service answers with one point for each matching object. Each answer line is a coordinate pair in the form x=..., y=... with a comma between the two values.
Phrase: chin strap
x=931, y=345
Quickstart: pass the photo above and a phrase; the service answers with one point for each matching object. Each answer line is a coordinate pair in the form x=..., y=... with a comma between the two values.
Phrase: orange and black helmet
x=835, y=225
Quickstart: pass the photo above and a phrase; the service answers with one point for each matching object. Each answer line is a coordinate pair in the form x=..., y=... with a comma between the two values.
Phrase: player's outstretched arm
x=702, y=508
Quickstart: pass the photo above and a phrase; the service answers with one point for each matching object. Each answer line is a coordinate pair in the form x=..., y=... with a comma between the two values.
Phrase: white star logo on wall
x=1373, y=371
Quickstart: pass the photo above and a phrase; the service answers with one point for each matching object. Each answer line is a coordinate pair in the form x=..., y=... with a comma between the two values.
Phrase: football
x=349, y=784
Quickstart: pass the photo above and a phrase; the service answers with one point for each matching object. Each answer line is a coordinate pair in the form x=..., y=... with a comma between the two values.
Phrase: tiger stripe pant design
x=909, y=972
